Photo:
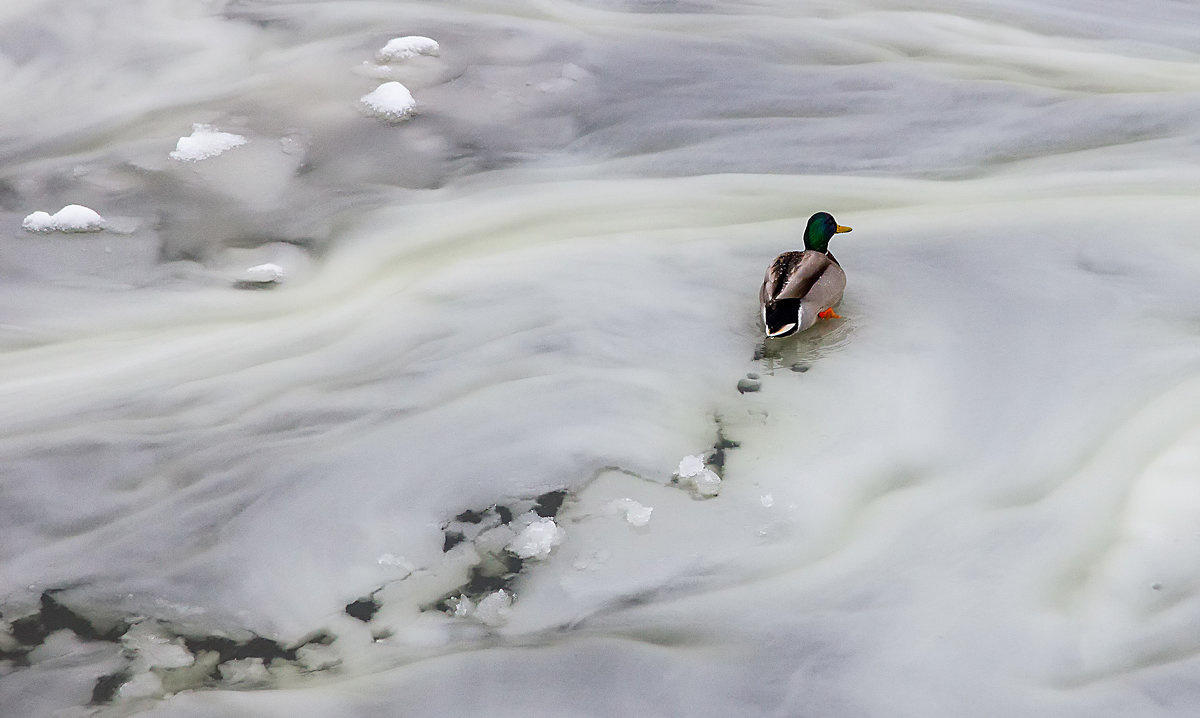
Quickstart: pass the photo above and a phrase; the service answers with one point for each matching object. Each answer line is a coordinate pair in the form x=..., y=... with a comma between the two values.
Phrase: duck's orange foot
x=829, y=314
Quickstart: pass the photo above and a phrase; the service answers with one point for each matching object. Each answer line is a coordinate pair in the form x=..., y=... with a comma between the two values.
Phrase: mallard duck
x=802, y=286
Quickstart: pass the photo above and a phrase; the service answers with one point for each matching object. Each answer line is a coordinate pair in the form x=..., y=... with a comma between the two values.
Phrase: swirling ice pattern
x=970, y=496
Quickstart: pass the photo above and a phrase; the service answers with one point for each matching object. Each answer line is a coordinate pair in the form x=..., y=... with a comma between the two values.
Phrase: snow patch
x=72, y=218
x=391, y=101
x=205, y=141
x=409, y=46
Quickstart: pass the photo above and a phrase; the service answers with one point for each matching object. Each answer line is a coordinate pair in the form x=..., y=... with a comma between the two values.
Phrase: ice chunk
x=636, y=514
x=263, y=274
x=204, y=142
x=494, y=608
x=245, y=670
x=690, y=466
x=692, y=472
x=463, y=606
x=767, y=500
x=142, y=685
x=537, y=539
x=391, y=101
x=403, y=48
x=154, y=647
x=705, y=484
x=495, y=540
x=315, y=657
x=72, y=218
x=175, y=680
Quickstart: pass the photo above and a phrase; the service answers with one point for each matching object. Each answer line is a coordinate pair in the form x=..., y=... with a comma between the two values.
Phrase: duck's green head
x=821, y=227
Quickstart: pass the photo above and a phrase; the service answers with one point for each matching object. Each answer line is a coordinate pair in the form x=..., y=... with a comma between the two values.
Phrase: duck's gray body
x=798, y=287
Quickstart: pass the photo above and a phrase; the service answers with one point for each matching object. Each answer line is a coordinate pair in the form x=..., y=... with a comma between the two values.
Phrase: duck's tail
x=781, y=317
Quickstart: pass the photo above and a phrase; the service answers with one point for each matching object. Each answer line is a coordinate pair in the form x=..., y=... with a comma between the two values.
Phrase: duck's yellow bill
x=841, y=229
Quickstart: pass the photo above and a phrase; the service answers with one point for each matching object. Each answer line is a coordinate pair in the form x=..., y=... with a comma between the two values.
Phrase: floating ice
x=204, y=142
x=635, y=513
x=155, y=648
x=463, y=606
x=537, y=539
x=706, y=483
x=245, y=670
x=692, y=472
x=767, y=500
x=391, y=101
x=494, y=608
x=141, y=685
x=690, y=466
x=403, y=48
x=265, y=274
x=495, y=540
x=72, y=218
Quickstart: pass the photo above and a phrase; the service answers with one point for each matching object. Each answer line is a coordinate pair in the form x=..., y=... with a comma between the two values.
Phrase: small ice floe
x=636, y=514
x=463, y=606
x=703, y=481
x=392, y=101
x=689, y=466
x=245, y=671
x=264, y=273
x=204, y=142
x=140, y=686
x=494, y=608
x=409, y=46
x=154, y=647
x=767, y=500
x=72, y=218
x=261, y=276
x=538, y=539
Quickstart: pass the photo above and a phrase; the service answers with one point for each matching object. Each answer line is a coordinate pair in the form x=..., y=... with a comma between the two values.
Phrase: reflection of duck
x=801, y=286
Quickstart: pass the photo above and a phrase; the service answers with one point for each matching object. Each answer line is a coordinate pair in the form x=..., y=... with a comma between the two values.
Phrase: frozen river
x=431, y=456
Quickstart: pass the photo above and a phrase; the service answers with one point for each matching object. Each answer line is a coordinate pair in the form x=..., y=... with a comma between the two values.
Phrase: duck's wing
x=812, y=277
x=778, y=276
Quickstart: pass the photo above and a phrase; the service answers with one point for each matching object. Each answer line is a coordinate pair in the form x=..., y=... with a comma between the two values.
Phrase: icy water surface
x=460, y=407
